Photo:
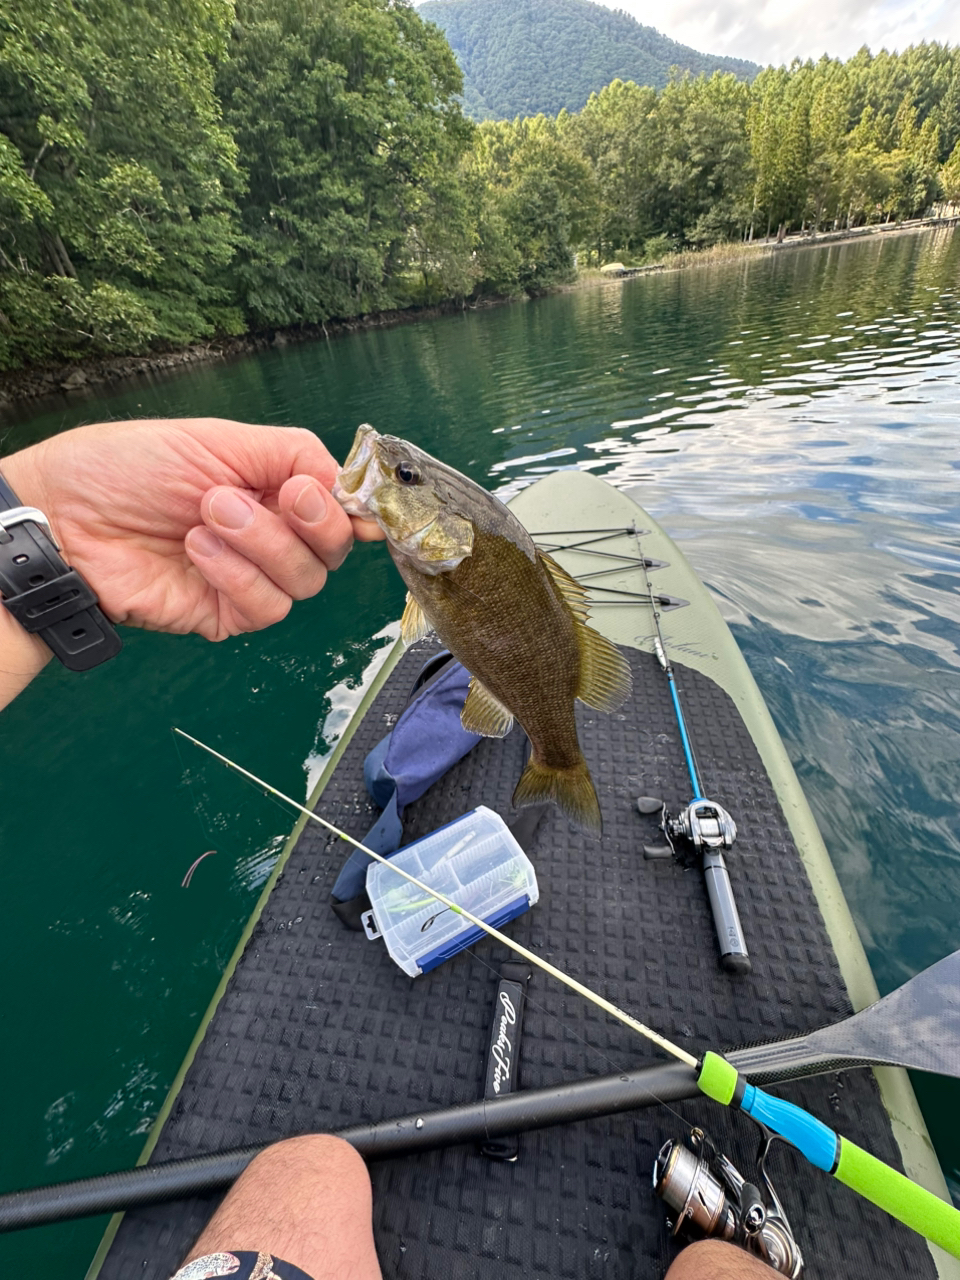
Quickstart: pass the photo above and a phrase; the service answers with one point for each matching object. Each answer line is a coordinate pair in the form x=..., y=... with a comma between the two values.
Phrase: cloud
x=777, y=31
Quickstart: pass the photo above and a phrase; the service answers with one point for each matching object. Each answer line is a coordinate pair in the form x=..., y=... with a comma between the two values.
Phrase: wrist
x=22, y=656
x=48, y=607
x=23, y=474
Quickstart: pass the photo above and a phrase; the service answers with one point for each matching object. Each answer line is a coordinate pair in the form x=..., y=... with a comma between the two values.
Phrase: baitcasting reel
x=706, y=1193
x=706, y=824
x=708, y=827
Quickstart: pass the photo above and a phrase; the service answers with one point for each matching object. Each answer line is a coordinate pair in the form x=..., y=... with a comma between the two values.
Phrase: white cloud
x=777, y=31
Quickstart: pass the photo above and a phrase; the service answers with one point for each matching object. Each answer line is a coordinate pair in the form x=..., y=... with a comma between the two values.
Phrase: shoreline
x=82, y=377
x=19, y=387
x=737, y=250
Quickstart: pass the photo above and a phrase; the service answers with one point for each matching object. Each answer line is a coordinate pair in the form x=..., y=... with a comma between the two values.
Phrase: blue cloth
x=427, y=740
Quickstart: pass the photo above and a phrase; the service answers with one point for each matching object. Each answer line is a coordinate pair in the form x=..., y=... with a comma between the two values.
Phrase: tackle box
x=476, y=863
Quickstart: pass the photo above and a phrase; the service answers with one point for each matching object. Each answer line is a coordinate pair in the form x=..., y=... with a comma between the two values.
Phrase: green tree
x=117, y=176
x=703, y=175
x=780, y=144
x=619, y=134
x=533, y=203
x=345, y=117
x=913, y=165
x=950, y=177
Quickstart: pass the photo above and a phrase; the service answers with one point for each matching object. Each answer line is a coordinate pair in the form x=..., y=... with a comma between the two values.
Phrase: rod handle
x=812, y=1138
x=891, y=1191
x=911, y=1204
x=726, y=918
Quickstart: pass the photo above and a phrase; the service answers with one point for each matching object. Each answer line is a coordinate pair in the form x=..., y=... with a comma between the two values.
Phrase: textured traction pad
x=319, y=1029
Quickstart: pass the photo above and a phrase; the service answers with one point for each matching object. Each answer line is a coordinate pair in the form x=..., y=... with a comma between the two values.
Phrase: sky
x=777, y=31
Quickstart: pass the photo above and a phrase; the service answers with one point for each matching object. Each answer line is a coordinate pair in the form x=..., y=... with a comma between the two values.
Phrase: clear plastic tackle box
x=476, y=863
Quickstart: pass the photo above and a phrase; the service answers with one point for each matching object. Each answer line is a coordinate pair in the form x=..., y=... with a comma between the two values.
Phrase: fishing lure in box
x=476, y=863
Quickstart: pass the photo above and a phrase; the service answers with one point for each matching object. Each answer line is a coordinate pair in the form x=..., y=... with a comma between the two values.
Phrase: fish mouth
x=360, y=476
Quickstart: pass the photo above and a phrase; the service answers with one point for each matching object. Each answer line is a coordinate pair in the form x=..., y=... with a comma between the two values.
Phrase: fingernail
x=205, y=543
x=231, y=510
x=311, y=506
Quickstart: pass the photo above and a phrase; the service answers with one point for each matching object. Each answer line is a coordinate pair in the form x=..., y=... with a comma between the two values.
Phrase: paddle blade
x=916, y=1026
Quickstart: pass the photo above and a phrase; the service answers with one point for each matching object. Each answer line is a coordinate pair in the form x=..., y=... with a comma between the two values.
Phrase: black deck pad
x=319, y=1029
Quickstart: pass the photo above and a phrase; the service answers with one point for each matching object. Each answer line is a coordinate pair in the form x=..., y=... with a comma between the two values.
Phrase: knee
x=314, y=1158
x=717, y=1260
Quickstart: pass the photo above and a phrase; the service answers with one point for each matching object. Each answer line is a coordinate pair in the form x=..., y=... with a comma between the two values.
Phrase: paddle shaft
x=483, y=1121
x=403, y=1136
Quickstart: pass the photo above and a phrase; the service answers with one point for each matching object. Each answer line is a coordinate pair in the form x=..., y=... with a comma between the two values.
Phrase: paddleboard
x=315, y=1028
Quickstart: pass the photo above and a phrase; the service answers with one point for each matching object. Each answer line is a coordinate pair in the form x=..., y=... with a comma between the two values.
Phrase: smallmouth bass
x=508, y=612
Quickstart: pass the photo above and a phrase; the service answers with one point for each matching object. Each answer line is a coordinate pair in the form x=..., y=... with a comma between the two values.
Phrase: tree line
x=174, y=170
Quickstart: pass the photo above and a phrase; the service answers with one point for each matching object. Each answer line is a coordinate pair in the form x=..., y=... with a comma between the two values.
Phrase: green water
x=793, y=421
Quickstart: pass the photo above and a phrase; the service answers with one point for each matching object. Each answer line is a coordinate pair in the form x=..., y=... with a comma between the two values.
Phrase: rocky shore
x=19, y=385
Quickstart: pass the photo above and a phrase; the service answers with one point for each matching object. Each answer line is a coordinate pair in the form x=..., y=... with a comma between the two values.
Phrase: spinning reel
x=706, y=1193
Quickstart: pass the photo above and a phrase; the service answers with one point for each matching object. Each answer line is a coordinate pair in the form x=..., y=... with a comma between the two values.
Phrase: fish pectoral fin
x=605, y=679
x=574, y=594
x=484, y=714
x=414, y=624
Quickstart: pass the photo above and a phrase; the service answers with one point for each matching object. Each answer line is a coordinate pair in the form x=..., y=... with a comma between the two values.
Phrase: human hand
x=186, y=525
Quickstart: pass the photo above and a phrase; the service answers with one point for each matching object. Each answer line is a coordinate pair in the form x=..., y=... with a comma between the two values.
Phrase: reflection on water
x=792, y=420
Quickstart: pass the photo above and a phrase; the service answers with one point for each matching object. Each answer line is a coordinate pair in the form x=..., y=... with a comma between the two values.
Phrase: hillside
x=520, y=57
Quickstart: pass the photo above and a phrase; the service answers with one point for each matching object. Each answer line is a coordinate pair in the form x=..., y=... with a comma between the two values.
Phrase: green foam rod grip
x=901, y=1198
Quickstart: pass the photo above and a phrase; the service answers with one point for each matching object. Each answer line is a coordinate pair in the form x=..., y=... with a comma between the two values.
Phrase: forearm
x=22, y=655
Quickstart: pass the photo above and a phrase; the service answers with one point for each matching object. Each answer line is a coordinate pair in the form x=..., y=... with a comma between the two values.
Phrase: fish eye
x=406, y=473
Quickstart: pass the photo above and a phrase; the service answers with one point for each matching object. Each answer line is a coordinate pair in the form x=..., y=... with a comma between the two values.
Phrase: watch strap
x=45, y=595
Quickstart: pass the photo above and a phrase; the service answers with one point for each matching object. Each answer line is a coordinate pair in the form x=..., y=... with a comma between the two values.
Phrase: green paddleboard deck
x=313, y=1028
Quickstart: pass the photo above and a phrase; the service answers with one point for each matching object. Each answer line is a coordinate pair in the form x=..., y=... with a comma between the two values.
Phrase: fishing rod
x=716, y=1077
x=704, y=823
x=917, y=1026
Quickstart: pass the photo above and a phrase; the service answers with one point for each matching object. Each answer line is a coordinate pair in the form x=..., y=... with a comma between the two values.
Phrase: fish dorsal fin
x=605, y=679
x=573, y=593
x=413, y=624
x=484, y=714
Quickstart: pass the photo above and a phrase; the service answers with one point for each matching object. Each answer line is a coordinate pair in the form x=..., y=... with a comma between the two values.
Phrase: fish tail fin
x=571, y=790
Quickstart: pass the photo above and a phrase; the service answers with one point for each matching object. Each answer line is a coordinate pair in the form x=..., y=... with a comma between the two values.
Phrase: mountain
x=520, y=57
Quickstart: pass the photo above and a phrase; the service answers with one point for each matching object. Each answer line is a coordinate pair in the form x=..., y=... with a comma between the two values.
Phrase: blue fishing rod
x=703, y=823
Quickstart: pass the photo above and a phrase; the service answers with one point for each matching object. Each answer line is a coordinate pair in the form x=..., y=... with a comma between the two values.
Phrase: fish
x=513, y=617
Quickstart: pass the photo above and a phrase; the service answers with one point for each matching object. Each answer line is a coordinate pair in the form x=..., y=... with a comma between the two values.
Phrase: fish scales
x=531, y=666
x=509, y=613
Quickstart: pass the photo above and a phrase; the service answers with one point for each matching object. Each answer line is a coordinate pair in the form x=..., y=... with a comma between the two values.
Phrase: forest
x=172, y=171
x=523, y=57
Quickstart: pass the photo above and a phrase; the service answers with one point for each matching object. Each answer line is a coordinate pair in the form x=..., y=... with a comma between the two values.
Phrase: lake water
x=793, y=421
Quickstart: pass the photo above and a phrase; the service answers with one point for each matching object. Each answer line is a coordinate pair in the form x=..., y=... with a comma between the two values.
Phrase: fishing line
x=668, y=1046
x=268, y=794
x=568, y=1030
x=203, y=822
x=275, y=797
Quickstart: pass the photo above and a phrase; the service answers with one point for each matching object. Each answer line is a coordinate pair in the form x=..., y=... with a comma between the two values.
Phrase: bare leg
x=717, y=1260
x=307, y=1201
